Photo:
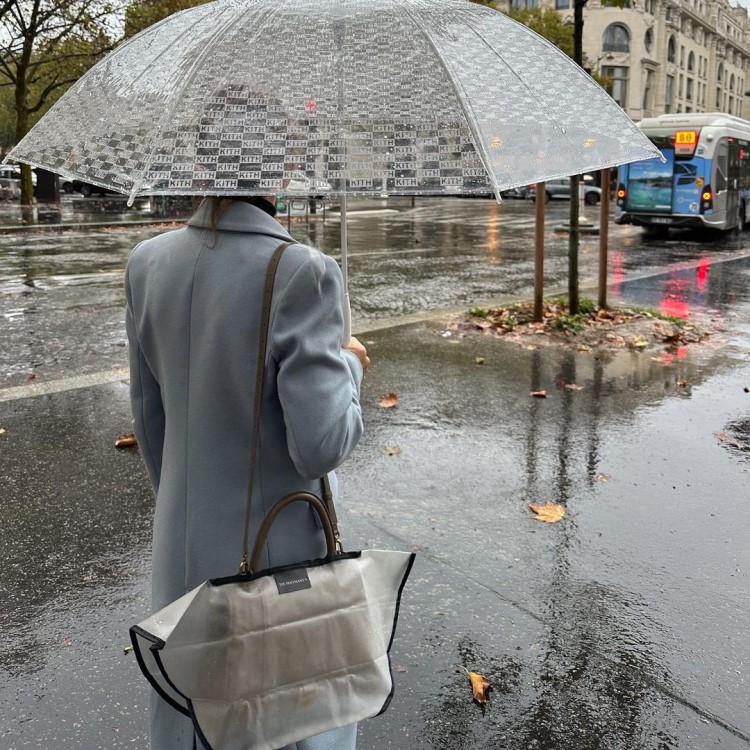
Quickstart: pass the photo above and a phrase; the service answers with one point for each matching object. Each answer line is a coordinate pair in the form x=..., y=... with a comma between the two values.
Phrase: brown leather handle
x=276, y=508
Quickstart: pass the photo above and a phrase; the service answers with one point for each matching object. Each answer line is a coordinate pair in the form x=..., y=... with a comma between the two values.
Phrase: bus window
x=721, y=162
x=685, y=173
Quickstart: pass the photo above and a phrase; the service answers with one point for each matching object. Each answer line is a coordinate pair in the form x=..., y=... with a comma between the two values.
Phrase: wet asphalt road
x=624, y=626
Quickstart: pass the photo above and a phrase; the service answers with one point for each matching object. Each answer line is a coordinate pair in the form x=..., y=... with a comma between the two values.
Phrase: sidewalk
x=623, y=626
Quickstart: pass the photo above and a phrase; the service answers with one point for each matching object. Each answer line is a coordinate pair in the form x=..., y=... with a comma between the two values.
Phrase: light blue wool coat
x=193, y=317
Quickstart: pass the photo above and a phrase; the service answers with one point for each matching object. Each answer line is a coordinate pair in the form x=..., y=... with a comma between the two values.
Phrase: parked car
x=10, y=180
x=302, y=185
x=516, y=192
x=560, y=188
x=84, y=188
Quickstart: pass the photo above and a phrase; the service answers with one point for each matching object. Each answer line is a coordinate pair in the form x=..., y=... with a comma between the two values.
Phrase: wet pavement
x=622, y=627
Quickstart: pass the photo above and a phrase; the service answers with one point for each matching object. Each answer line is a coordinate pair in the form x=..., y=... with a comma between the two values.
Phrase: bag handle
x=276, y=508
x=265, y=317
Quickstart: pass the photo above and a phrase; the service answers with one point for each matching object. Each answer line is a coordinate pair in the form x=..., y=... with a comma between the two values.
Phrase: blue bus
x=704, y=182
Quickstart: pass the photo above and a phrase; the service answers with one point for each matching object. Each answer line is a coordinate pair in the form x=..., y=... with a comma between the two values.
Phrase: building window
x=731, y=83
x=682, y=57
x=648, y=6
x=668, y=13
x=521, y=4
x=689, y=89
x=671, y=50
x=618, y=86
x=562, y=4
x=616, y=39
x=648, y=39
x=647, y=90
x=720, y=72
x=691, y=62
x=668, y=94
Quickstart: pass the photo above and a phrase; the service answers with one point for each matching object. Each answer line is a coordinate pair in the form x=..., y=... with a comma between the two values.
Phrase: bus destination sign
x=685, y=142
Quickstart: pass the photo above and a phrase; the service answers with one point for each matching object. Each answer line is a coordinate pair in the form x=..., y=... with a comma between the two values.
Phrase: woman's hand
x=357, y=348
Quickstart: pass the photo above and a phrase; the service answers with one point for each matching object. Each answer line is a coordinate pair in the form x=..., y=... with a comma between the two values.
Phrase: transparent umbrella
x=240, y=97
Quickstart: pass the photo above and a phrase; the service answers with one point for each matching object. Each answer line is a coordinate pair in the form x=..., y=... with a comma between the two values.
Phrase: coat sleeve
x=145, y=399
x=318, y=381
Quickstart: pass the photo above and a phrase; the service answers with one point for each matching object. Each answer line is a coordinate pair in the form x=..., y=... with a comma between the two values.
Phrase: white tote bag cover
x=263, y=661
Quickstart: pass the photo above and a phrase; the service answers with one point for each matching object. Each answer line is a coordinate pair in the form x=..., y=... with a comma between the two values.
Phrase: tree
x=50, y=44
x=144, y=13
x=547, y=23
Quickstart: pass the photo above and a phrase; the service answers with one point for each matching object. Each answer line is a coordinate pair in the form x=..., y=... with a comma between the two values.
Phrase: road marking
x=63, y=384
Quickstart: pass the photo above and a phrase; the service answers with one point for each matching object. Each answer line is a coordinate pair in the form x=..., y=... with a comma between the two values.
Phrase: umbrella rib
x=478, y=141
x=189, y=78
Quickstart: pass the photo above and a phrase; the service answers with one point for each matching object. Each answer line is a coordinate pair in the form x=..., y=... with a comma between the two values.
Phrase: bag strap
x=265, y=318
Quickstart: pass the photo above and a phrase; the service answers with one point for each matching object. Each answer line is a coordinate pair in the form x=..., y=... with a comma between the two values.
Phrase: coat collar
x=239, y=217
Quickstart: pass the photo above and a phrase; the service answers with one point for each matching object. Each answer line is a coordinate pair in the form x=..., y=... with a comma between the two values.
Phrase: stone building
x=667, y=55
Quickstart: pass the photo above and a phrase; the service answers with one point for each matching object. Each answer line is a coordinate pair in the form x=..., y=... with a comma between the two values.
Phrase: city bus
x=704, y=182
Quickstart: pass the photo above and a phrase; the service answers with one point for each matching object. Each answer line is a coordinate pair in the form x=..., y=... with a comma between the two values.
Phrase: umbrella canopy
x=240, y=97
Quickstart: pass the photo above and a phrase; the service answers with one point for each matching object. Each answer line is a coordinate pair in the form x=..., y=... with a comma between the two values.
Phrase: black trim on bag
x=388, y=700
x=198, y=731
x=158, y=643
x=282, y=568
x=160, y=664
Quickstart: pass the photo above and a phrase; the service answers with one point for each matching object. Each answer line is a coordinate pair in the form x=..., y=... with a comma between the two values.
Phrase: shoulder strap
x=259, y=374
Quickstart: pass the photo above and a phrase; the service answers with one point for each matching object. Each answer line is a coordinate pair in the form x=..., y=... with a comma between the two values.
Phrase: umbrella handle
x=347, y=309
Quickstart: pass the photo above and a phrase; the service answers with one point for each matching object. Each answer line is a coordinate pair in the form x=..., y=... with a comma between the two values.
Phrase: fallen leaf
x=389, y=401
x=479, y=360
x=32, y=376
x=725, y=437
x=682, y=383
x=538, y=394
x=584, y=348
x=391, y=450
x=399, y=668
x=67, y=641
x=2, y=430
x=573, y=387
x=127, y=649
x=549, y=512
x=639, y=343
x=128, y=440
x=479, y=685
x=603, y=477
x=432, y=519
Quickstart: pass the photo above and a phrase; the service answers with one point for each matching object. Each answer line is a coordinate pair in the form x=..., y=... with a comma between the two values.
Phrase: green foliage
x=651, y=312
x=547, y=23
x=7, y=118
x=141, y=14
x=586, y=306
x=572, y=323
x=478, y=312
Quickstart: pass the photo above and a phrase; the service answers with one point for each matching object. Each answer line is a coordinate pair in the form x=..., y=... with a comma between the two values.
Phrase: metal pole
x=345, y=270
x=603, y=238
x=539, y=253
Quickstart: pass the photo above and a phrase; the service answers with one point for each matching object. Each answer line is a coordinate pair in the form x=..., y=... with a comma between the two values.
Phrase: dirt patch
x=591, y=330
